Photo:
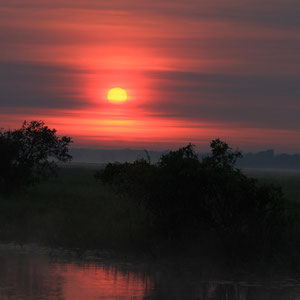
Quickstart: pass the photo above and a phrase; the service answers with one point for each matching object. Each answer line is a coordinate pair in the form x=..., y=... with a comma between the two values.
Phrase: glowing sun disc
x=117, y=95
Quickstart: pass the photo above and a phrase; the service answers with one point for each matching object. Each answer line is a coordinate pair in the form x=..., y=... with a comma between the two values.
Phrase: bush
x=29, y=155
x=186, y=196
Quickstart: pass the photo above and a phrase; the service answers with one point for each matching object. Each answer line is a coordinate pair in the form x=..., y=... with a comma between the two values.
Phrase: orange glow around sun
x=117, y=95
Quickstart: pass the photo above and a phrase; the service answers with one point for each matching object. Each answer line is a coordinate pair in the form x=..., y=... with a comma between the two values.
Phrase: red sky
x=193, y=70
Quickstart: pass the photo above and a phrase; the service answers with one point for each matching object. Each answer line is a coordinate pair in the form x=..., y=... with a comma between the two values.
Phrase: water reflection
x=25, y=275
x=29, y=275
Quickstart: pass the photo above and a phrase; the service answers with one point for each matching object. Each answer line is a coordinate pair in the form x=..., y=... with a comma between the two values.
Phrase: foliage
x=30, y=154
x=187, y=196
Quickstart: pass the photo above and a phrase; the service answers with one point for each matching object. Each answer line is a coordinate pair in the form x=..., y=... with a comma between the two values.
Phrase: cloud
x=275, y=13
x=39, y=85
x=252, y=100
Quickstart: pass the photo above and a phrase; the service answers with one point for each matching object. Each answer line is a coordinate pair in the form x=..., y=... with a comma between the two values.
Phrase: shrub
x=186, y=196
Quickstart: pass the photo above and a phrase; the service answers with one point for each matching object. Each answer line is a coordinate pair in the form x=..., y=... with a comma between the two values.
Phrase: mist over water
x=30, y=274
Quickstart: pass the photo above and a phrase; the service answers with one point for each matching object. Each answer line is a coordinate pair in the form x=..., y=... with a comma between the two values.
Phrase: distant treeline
x=268, y=159
x=264, y=159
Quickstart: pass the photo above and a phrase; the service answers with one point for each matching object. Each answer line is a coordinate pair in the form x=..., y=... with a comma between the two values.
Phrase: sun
x=117, y=95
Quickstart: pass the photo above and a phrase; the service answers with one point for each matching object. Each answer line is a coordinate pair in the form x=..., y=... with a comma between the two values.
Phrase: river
x=33, y=273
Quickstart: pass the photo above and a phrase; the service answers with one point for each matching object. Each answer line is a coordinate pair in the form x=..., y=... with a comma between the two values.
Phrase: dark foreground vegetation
x=72, y=210
x=195, y=201
x=28, y=155
x=182, y=205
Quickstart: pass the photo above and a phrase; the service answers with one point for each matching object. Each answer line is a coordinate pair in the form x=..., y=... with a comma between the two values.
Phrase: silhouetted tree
x=29, y=155
x=186, y=196
x=222, y=157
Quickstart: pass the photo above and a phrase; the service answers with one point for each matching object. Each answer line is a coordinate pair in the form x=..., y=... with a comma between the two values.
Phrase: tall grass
x=73, y=210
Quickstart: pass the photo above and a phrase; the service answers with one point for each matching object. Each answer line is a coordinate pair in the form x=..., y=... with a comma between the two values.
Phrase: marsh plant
x=189, y=198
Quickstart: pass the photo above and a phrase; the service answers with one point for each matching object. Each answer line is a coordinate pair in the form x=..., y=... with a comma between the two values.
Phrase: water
x=30, y=274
